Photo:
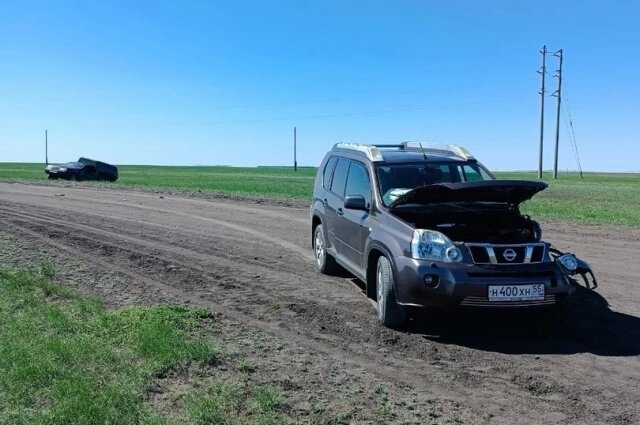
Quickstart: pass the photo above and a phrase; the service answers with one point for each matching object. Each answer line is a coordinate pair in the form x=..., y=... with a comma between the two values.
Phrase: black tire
x=390, y=313
x=324, y=261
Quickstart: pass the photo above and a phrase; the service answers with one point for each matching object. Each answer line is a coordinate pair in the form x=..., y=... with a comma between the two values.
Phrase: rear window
x=328, y=170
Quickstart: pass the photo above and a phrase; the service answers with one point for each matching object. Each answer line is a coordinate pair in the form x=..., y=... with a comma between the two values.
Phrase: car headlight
x=568, y=262
x=62, y=169
x=433, y=246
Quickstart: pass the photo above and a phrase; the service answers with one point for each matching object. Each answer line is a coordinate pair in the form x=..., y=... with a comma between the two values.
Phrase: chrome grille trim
x=493, y=260
x=528, y=253
x=492, y=254
x=484, y=302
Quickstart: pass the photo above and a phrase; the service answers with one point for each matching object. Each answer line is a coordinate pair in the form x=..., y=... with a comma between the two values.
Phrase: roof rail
x=454, y=150
x=371, y=151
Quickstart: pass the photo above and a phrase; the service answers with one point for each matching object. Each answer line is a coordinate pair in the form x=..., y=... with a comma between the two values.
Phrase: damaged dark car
x=83, y=169
x=430, y=226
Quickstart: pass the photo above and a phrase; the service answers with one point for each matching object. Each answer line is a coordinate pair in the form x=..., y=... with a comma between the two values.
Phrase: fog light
x=431, y=280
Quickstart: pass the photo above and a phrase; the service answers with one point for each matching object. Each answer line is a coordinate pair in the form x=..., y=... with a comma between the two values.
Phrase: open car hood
x=507, y=191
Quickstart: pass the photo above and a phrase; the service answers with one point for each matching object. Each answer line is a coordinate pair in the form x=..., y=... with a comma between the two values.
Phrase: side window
x=340, y=177
x=471, y=174
x=328, y=170
x=445, y=174
x=454, y=173
x=358, y=182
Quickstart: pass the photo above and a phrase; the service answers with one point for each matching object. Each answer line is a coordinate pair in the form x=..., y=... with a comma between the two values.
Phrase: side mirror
x=355, y=202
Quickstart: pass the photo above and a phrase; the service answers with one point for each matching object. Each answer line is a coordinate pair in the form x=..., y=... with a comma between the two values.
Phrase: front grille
x=484, y=302
x=479, y=254
x=507, y=254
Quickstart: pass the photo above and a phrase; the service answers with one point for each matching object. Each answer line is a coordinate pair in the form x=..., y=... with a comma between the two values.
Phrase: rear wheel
x=390, y=313
x=325, y=262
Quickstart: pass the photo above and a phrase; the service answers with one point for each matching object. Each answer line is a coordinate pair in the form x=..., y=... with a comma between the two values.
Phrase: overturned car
x=83, y=169
x=431, y=227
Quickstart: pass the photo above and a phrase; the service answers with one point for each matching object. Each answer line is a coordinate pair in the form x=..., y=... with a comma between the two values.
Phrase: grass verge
x=65, y=359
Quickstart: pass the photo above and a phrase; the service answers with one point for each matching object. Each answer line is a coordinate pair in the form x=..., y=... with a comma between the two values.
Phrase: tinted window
x=340, y=177
x=471, y=175
x=328, y=169
x=474, y=172
x=358, y=182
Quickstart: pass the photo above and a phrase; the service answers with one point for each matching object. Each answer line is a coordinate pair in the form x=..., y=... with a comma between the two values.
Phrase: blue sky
x=214, y=82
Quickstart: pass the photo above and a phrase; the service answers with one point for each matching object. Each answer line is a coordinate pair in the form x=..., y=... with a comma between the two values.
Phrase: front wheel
x=390, y=313
x=325, y=262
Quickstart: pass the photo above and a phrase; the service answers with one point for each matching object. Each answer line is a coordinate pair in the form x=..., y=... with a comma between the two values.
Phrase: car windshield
x=394, y=180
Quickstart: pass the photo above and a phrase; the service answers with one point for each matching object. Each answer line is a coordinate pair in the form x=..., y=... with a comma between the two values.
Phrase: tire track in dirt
x=118, y=239
x=223, y=256
x=45, y=192
x=304, y=253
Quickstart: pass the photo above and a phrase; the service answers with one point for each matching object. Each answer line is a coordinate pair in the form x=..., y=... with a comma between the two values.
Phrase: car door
x=354, y=224
x=334, y=205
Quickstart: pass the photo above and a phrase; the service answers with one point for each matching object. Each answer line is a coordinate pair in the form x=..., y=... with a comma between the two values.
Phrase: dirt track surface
x=252, y=265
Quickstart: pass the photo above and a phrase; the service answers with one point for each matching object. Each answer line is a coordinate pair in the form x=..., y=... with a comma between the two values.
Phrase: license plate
x=534, y=292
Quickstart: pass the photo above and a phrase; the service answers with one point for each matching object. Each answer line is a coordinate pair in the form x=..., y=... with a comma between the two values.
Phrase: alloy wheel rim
x=319, y=250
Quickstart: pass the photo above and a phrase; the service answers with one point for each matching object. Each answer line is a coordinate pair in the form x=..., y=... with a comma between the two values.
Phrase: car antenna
x=423, y=152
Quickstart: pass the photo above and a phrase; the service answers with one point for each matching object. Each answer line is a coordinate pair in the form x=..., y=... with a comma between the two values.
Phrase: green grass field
x=66, y=359
x=601, y=198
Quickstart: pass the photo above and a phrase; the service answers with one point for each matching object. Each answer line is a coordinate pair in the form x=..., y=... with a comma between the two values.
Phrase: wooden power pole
x=46, y=148
x=295, y=159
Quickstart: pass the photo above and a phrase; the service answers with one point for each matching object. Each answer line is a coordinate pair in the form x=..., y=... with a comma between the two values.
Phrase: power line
x=364, y=113
x=344, y=98
x=568, y=122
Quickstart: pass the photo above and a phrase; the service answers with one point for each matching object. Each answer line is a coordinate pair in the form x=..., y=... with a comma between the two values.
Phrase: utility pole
x=558, y=94
x=542, y=72
x=46, y=148
x=295, y=160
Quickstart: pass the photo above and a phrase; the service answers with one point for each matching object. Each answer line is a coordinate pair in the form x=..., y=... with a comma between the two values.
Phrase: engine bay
x=474, y=222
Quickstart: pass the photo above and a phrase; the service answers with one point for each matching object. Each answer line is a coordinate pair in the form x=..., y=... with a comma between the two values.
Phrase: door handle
x=340, y=212
x=325, y=202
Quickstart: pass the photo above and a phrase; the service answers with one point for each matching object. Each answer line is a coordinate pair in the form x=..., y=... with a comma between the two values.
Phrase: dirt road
x=252, y=264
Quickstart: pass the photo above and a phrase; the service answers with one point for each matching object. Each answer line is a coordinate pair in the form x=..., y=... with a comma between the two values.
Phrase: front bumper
x=60, y=174
x=462, y=284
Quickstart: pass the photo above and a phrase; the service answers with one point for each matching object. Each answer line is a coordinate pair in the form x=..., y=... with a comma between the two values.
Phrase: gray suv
x=430, y=226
